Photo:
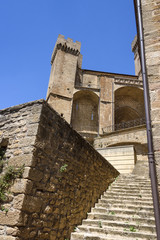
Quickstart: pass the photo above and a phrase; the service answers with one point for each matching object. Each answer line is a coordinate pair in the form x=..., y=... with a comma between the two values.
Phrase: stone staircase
x=124, y=212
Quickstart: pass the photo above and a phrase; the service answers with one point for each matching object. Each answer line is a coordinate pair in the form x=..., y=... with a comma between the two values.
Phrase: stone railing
x=124, y=125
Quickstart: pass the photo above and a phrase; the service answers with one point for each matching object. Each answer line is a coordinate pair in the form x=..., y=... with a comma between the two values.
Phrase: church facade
x=107, y=109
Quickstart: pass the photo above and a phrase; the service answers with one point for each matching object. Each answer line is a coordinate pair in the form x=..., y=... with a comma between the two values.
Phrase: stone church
x=107, y=109
x=74, y=166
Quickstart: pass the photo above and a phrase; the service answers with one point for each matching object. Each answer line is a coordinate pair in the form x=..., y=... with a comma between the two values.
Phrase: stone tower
x=65, y=60
x=93, y=102
x=135, y=50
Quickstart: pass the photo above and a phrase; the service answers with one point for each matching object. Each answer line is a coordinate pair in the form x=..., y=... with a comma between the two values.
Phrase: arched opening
x=85, y=111
x=129, y=107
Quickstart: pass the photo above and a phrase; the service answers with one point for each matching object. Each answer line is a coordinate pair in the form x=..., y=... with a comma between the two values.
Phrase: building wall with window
x=92, y=101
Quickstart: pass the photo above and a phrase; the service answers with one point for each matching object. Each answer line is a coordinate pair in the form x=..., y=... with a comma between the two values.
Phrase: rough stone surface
x=63, y=178
x=91, y=100
x=124, y=211
x=135, y=136
x=123, y=158
x=151, y=24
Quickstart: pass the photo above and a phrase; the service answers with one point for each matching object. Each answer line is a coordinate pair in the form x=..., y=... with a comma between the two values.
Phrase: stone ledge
x=20, y=106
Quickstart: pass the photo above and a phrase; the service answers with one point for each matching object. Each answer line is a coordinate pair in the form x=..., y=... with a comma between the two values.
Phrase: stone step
x=122, y=218
x=129, y=189
x=125, y=201
x=131, y=232
x=124, y=212
x=121, y=225
x=126, y=206
x=132, y=184
x=114, y=211
x=125, y=193
x=109, y=234
x=134, y=177
x=123, y=197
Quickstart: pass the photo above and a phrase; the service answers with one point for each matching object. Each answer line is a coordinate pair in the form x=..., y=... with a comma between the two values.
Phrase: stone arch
x=129, y=104
x=85, y=111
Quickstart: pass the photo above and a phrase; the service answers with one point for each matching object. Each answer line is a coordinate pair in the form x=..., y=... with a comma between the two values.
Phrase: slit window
x=92, y=116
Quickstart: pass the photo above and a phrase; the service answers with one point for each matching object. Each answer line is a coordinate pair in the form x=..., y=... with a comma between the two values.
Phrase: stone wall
x=68, y=80
x=151, y=25
x=64, y=63
x=121, y=157
x=63, y=178
x=18, y=128
x=133, y=136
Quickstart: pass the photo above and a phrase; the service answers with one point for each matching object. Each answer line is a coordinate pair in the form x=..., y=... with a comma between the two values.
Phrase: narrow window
x=92, y=116
x=76, y=106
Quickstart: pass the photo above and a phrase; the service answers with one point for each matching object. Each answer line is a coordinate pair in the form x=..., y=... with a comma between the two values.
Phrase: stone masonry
x=136, y=136
x=63, y=177
x=91, y=100
x=151, y=25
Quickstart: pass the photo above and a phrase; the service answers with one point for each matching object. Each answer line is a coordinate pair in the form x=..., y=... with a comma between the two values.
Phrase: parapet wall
x=132, y=136
x=63, y=178
x=18, y=129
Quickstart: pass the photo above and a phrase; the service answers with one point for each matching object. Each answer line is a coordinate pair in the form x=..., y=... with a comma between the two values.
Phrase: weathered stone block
x=11, y=218
x=32, y=204
x=21, y=186
x=24, y=159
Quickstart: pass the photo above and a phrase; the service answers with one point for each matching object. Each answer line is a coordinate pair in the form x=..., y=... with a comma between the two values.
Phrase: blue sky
x=29, y=30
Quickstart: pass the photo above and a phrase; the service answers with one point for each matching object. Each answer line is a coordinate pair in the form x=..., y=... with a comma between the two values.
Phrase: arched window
x=129, y=104
x=85, y=111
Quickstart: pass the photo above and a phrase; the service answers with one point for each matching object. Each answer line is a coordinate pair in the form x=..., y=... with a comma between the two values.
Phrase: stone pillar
x=64, y=61
x=151, y=25
x=106, y=112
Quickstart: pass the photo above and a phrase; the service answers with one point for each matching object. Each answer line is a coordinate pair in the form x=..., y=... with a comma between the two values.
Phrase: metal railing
x=124, y=125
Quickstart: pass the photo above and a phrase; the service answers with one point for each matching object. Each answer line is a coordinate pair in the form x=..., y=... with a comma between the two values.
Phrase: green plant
x=116, y=178
x=2, y=158
x=112, y=213
x=1, y=165
x=100, y=224
x=10, y=174
x=4, y=209
x=63, y=168
x=60, y=179
x=132, y=229
x=2, y=153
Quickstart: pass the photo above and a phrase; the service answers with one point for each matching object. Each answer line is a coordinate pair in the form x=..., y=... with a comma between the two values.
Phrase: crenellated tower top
x=66, y=60
x=66, y=45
